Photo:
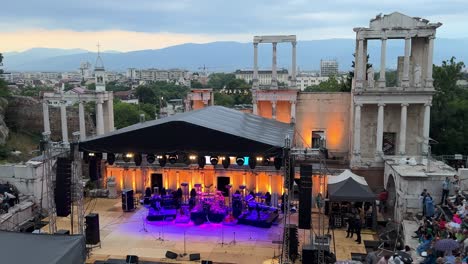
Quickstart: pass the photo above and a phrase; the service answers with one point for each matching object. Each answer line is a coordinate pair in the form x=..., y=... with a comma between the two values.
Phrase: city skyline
x=136, y=25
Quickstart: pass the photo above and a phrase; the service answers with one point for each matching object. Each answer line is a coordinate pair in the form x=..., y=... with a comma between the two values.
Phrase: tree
x=449, y=106
x=347, y=83
x=91, y=86
x=224, y=99
x=125, y=114
x=4, y=91
x=146, y=94
x=218, y=81
x=196, y=84
x=116, y=86
x=330, y=85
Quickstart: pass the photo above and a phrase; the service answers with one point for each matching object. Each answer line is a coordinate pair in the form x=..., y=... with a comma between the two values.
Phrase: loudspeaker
x=92, y=229
x=171, y=255
x=127, y=200
x=63, y=187
x=94, y=169
x=206, y=262
x=62, y=232
x=293, y=242
x=131, y=259
x=305, y=197
x=195, y=256
x=311, y=255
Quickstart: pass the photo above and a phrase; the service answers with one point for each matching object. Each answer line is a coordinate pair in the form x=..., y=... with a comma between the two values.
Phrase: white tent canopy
x=346, y=175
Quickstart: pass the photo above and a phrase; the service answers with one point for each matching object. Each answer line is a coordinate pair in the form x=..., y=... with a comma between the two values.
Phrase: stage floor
x=123, y=233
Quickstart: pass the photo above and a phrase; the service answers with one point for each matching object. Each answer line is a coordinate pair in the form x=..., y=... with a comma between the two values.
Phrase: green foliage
x=34, y=91
x=68, y=87
x=128, y=114
x=330, y=85
x=224, y=99
x=146, y=94
x=391, y=78
x=4, y=91
x=152, y=93
x=196, y=84
x=91, y=86
x=449, y=107
x=218, y=81
x=1, y=59
x=347, y=83
x=117, y=87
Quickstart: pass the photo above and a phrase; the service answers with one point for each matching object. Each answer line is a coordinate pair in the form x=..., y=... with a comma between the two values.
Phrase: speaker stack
x=293, y=242
x=63, y=187
x=171, y=255
x=92, y=229
x=127, y=200
x=195, y=256
x=131, y=259
x=305, y=197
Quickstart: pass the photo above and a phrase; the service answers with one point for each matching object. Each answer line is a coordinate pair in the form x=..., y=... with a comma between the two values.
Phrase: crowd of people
x=8, y=197
x=443, y=231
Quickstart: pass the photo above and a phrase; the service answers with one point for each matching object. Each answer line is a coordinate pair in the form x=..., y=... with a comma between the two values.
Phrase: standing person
x=429, y=206
x=351, y=217
x=421, y=198
x=357, y=227
x=383, y=197
x=456, y=184
x=445, y=190
x=319, y=201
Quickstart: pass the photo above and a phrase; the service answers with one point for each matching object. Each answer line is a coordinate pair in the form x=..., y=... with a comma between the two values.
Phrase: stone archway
x=392, y=203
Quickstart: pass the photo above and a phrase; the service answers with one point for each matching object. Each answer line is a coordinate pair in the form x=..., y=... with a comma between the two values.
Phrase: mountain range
x=224, y=56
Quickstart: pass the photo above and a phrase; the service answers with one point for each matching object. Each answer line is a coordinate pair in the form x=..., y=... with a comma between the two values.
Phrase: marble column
x=99, y=118
x=380, y=124
x=81, y=114
x=255, y=108
x=273, y=110
x=45, y=114
x=255, y=69
x=110, y=112
x=403, y=120
x=358, y=63
x=406, y=61
x=293, y=66
x=63, y=119
x=357, y=129
x=427, y=120
x=383, y=55
x=274, y=74
x=430, y=53
x=293, y=111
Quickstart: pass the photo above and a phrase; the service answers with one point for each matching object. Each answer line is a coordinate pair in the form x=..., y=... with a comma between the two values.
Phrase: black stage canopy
x=349, y=187
x=211, y=130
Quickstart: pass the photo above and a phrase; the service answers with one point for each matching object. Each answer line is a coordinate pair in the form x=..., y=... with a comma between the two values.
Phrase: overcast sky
x=126, y=25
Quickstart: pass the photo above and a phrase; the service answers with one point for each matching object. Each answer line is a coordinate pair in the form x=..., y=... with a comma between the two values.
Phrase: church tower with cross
x=100, y=73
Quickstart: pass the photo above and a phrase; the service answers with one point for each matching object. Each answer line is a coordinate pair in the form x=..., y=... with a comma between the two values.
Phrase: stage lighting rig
x=278, y=162
x=226, y=161
x=201, y=161
x=240, y=161
x=110, y=158
x=252, y=162
x=266, y=161
x=137, y=158
x=150, y=158
x=173, y=158
x=214, y=160
x=127, y=157
x=162, y=159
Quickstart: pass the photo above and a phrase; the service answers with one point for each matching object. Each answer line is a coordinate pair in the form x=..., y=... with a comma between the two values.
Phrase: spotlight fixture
x=240, y=161
x=110, y=158
x=278, y=162
x=127, y=157
x=86, y=156
x=201, y=161
x=266, y=161
x=252, y=162
x=214, y=160
x=226, y=161
x=91, y=154
x=150, y=158
x=192, y=157
x=98, y=156
x=137, y=159
x=162, y=159
x=173, y=158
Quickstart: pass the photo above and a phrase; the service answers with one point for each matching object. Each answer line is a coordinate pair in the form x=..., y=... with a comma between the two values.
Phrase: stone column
x=293, y=111
x=99, y=118
x=81, y=114
x=274, y=74
x=293, y=70
x=427, y=121
x=357, y=129
x=430, y=53
x=404, y=114
x=273, y=110
x=110, y=112
x=358, y=63
x=380, y=124
x=45, y=114
x=255, y=68
x=63, y=119
x=406, y=61
x=383, y=55
x=255, y=108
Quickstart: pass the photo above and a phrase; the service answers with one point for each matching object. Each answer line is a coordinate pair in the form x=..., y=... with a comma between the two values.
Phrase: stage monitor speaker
x=127, y=200
x=62, y=232
x=195, y=256
x=171, y=255
x=206, y=262
x=305, y=197
x=92, y=229
x=131, y=259
x=63, y=187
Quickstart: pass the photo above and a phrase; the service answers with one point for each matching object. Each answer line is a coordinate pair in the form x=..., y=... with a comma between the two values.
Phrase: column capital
x=292, y=101
x=405, y=104
x=428, y=104
x=407, y=37
x=358, y=104
x=273, y=102
x=381, y=104
x=384, y=37
x=255, y=44
x=432, y=37
x=294, y=43
x=99, y=101
x=274, y=44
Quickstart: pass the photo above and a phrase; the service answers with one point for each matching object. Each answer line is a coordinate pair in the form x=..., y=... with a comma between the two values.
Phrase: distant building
x=328, y=68
x=264, y=76
x=7, y=76
x=156, y=74
x=306, y=80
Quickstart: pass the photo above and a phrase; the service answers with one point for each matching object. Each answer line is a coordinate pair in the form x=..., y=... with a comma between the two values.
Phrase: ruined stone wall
x=25, y=114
